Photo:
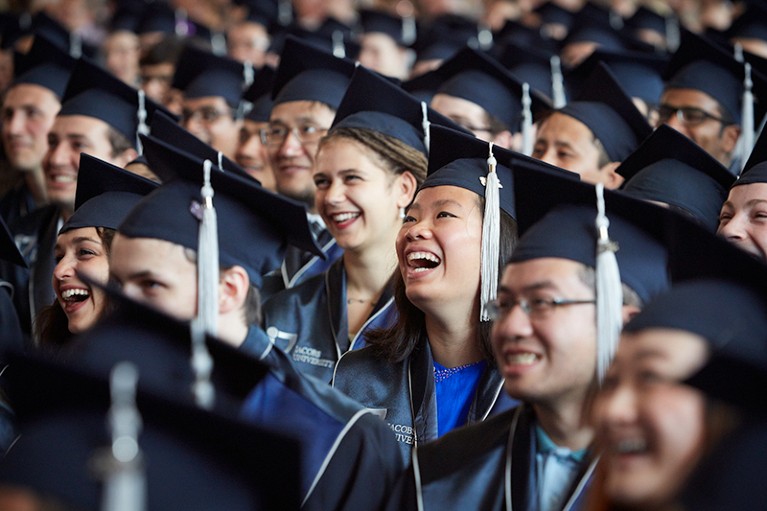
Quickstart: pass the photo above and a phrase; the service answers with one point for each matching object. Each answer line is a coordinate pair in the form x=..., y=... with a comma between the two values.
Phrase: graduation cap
x=169, y=131
x=44, y=65
x=638, y=73
x=594, y=24
x=13, y=27
x=200, y=74
x=751, y=24
x=530, y=39
x=458, y=159
x=105, y=194
x=476, y=77
x=94, y=92
x=401, y=30
x=160, y=17
x=551, y=13
x=56, y=33
x=609, y=113
x=669, y=167
x=87, y=451
x=255, y=224
x=375, y=103
x=331, y=36
x=647, y=19
x=259, y=95
x=529, y=65
x=307, y=73
x=755, y=169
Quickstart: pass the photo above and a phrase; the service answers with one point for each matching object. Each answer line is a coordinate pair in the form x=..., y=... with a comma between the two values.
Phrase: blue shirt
x=556, y=469
x=455, y=388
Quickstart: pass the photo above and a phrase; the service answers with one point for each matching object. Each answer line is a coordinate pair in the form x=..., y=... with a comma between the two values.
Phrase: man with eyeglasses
x=546, y=344
x=252, y=153
x=307, y=90
x=703, y=96
x=211, y=87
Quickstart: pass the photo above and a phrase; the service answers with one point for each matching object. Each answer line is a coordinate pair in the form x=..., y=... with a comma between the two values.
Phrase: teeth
x=342, y=217
x=632, y=445
x=522, y=358
x=422, y=255
x=64, y=179
x=69, y=293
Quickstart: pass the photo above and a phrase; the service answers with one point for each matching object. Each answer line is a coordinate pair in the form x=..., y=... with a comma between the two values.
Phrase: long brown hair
x=51, y=326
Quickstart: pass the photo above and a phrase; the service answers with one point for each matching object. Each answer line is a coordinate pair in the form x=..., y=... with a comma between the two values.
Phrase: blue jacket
x=309, y=323
x=404, y=395
x=468, y=467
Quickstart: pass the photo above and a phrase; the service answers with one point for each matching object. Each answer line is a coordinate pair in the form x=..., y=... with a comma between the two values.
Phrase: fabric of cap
x=105, y=194
x=330, y=36
x=94, y=92
x=255, y=224
x=307, y=73
x=375, y=103
x=751, y=24
x=201, y=74
x=525, y=37
x=647, y=19
x=476, y=77
x=556, y=219
x=639, y=74
x=56, y=33
x=259, y=95
x=668, y=167
x=609, y=113
x=528, y=65
x=377, y=21
x=169, y=131
x=44, y=65
x=190, y=458
x=552, y=13
x=755, y=170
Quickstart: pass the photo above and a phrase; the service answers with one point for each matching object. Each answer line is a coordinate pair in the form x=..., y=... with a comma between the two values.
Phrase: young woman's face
x=80, y=251
x=358, y=199
x=650, y=426
x=439, y=246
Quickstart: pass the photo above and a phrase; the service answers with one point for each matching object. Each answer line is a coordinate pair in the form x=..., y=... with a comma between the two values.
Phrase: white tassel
x=527, y=121
x=207, y=259
x=248, y=74
x=747, y=118
x=737, y=53
x=124, y=477
x=673, y=36
x=142, y=129
x=609, y=291
x=220, y=158
x=491, y=238
x=408, y=30
x=75, y=46
x=426, y=126
x=218, y=44
x=339, y=48
x=557, y=83
x=202, y=367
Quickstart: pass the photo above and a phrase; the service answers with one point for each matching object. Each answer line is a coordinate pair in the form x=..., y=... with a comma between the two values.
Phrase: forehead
x=435, y=195
x=741, y=194
x=291, y=112
x=75, y=234
x=562, y=127
x=555, y=272
x=79, y=125
x=28, y=92
x=453, y=106
x=679, y=351
x=690, y=97
x=205, y=101
x=137, y=251
x=378, y=40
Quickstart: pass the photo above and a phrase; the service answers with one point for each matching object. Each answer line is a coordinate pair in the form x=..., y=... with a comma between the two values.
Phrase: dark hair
x=396, y=343
x=393, y=154
x=166, y=51
x=51, y=325
x=118, y=142
x=602, y=159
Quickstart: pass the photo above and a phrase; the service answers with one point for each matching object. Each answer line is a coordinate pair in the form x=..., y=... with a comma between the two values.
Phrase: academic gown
x=35, y=234
x=18, y=202
x=309, y=323
x=468, y=467
x=404, y=394
x=299, y=266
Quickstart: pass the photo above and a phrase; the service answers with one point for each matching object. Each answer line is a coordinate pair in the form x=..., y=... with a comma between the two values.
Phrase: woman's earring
x=402, y=213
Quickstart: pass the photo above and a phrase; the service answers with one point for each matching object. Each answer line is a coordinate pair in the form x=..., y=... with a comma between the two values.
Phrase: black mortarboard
x=514, y=32
x=609, y=113
x=160, y=17
x=8, y=249
x=266, y=13
x=751, y=24
x=105, y=194
x=255, y=224
x=12, y=28
x=476, y=77
x=331, y=36
x=597, y=25
x=703, y=66
x=669, y=167
x=639, y=74
x=528, y=65
x=755, y=170
x=169, y=131
x=647, y=19
x=444, y=36
x=389, y=24
x=259, y=95
x=375, y=103
x=56, y=33
x=200, y=74
x=306, y=73
x=552, y=13
x=188, y=458
x=556, y=218
x=45, y=64
x=94, y=92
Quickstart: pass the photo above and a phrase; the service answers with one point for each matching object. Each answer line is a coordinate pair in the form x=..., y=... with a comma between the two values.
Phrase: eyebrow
x=649, y=353
x=535, y=286
x=303, y=120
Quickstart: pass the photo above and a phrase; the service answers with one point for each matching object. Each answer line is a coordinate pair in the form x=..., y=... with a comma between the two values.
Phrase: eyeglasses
x=206, y=114
x=687, y=115
x=534, y=307
x=306, y=134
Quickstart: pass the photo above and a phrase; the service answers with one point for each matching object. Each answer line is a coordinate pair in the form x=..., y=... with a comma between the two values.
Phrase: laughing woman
x=366, y=172
x=433, y=370
x=105, y=194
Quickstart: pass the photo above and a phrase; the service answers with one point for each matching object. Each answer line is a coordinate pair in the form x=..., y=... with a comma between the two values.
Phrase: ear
x=232, y=289
x=504, y=139
x=125, y=157
x=730, y=135
x=629, y=311
x=406, y=184
x=611, y=179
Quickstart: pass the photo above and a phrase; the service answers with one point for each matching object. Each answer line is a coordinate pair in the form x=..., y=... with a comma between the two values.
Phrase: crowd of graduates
x=334, y=254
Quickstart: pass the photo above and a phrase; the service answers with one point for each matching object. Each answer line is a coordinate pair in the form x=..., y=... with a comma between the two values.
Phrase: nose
x=335, y=193
x=58, y=155
x=674, y=122
x=65, y=269
x=733, y=229
x=14, y=123
x=417, y=230
x=291, y=146
x=514, y=325
x=619, y=405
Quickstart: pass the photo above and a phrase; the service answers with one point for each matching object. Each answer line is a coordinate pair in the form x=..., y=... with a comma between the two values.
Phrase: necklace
x=350, y=301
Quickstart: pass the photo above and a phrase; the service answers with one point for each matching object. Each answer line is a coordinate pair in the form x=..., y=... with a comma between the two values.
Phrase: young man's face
x=28, y=114
x=547, y=358
x=155, y=272
x=211, y=119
